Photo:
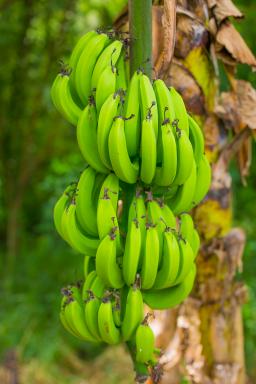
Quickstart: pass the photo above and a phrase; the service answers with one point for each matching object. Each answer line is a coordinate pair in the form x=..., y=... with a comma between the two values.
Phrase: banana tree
x=193, y=40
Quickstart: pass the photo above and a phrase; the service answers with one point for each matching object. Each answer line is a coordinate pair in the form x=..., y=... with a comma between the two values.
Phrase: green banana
x=106, y=262
x=59, y=208
x=147, y=101
x=168, y=216
x=78, y=321
x=189, y=233
x=166, y=112
x=76, y=53
x=183, y=199
x=165, y=104
x=87, y=137
x=116, y=308
x=155, y=217
x=137, y=210
x=107, y=208
x=63, y=318
x=145, y=341
x=195, y=245
x=165, y=174
x=106, y=85
x=132, y=252
x=87, y=284
x=184, y=156
x=92, y=307
x=180, y=110
x=86, y=209
x=99, y=180
x=186, y=260
x=106, y=115
x=109, y=55
x=150, y=258
x=66, y=316
x=187, y=227
x=148, y=150
x=91, y=315
x=169, y=267
x=76, y=316
x=97, y=287
x=133, y=312
x=79, y=240
x=120, y=160
x=62, y=99
x=108, y=331
x=121, y=82
x=170, y=297
x=196, y=138
x=66, y=325
x=110, y=190
x=132, y=127
x=204, y=175
x=86, y=64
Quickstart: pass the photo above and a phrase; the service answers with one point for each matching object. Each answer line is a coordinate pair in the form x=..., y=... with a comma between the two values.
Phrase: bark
x=203, y=338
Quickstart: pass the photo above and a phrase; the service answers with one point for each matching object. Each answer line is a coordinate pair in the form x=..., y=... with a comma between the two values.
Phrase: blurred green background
x=39, y=157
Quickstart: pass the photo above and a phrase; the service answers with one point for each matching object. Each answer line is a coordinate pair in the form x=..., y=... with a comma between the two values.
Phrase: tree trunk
x=203, y=338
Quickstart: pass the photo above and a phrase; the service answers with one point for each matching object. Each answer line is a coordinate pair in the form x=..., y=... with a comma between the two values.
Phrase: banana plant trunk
x=202, y=340
x=205, y=343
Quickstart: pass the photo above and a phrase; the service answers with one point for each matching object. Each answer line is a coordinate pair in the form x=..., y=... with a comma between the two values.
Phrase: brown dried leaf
x=182, y=3
x=244, y=159
x=224, y=56
x=237, y=108
x=199, y=8
x=223, y=9
x=234, y=244
x=212, y=26
x=238, y=146
x=190, y=33
x=230, y=41
x=212, y=3
x=180, y=78
x=184, y=11
x=157, y=33
x=169, y=34
x=227, y=110
x=237, y=111
x=246, y=96
x=211, y=132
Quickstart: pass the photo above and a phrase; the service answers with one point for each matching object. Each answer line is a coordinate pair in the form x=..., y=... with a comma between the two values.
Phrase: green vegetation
x=34, y=35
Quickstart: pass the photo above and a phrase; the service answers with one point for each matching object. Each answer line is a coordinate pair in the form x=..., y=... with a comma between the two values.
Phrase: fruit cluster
x=127, y=212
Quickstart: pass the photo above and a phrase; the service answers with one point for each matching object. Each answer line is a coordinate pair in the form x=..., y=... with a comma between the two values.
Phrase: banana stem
x=140, y=25
x=140, y=369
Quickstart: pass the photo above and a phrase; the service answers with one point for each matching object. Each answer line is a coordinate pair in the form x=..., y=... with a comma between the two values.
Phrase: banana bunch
x=93, y=312
x=127, y=213
x=87, y=212
x=96, y=65
x=152, y=263
x=137, y=129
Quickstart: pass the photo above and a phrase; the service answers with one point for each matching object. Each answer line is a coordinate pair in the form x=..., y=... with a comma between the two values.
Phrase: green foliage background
x=39, y=157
